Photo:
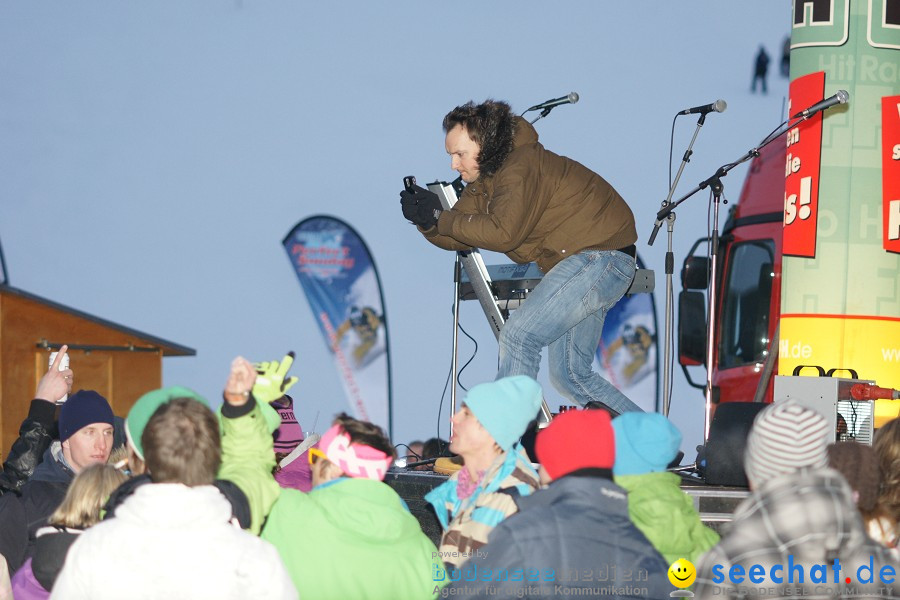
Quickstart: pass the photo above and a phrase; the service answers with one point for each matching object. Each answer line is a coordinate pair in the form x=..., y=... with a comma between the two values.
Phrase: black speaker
x=724, y=452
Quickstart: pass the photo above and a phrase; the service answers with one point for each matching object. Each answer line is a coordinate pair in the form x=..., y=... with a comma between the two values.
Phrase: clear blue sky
x=154, y=154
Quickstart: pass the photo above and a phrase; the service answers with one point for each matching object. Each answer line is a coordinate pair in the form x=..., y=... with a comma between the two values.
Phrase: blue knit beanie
x=83, y=408
x=505, y=407
x=645, y=443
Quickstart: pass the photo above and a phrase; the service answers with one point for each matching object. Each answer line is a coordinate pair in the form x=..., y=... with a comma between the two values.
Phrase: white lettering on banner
x=891, y=354
x=839, y=68
x=874, y=71
x=791, y=210
x=894, y=220
x=792, y=163
x=896, y=154
x=798, y=350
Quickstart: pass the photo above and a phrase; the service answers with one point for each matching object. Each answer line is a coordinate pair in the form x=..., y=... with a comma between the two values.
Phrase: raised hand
x=240, y=382
x=55, y=385
x=272, y=381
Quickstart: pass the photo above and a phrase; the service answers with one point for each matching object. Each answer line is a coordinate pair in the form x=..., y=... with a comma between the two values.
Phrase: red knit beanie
x=577, y=439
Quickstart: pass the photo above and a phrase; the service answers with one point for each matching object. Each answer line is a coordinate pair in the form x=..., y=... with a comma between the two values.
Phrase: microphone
x=717, y=106
x=840, y=98
x=571, y=98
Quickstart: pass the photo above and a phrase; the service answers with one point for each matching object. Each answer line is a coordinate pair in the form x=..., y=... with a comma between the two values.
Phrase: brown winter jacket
x=538, y=206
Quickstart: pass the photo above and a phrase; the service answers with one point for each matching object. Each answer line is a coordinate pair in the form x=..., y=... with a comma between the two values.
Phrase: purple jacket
x=25, y=586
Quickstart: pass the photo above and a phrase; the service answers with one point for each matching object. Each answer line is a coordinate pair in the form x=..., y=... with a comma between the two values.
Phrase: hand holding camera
x=240, y=382
x=56, y=383
x=420, y=206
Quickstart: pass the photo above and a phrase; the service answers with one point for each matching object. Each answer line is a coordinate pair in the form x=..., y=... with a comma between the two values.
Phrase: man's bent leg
x=571, y=356
x=571, y=367
x=573, y=290
x=553, y=307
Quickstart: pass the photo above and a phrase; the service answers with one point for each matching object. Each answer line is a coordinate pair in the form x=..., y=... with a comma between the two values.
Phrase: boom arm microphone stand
x=716, y=186
x=670, y=263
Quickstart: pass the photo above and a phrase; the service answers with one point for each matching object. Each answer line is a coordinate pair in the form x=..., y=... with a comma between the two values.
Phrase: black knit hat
x=83, y=408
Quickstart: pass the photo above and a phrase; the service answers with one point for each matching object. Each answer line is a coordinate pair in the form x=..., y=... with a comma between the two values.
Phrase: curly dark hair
x=491, y=125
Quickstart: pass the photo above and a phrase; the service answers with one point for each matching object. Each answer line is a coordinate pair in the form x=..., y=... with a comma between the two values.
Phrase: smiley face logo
x=682, y=573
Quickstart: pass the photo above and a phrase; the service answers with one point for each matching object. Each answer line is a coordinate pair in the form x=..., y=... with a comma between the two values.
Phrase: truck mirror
x=691, y=328
x=695, y=274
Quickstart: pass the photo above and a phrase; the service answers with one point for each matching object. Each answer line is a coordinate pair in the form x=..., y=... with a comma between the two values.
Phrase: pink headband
x=354, y=460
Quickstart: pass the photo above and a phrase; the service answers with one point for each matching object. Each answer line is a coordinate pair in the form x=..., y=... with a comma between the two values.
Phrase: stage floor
x=714, y=503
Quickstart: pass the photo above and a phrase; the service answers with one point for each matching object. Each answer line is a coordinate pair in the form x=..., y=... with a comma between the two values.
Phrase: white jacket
x=171, y=541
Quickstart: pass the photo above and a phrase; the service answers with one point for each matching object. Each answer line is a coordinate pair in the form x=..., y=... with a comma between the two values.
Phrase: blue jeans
x=565, y=311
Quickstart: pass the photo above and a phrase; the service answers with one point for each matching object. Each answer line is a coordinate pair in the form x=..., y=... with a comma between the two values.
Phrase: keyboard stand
x=473, y=264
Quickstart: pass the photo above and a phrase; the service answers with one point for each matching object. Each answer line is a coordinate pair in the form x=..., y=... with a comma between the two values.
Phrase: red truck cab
x=749, y=289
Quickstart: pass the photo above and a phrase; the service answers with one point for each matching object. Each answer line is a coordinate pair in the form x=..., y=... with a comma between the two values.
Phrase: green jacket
x=538, y=206
x=353, y=538
x=248, y=457
x=667, y=516
x=347, y=538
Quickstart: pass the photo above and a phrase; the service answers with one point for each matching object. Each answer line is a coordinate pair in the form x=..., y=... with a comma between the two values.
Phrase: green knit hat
x=146, y=405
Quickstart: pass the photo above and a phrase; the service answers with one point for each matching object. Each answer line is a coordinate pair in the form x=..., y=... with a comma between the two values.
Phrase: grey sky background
x=154, y=154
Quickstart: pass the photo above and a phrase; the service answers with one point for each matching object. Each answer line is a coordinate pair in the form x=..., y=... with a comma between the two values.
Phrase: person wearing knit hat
x=645, y=445
x=785, y=438
x=173, y=536
x=577, y=524
x=578, y=441
x=799, y=512
x=504, y=408
x=486, y=431
x=86, y=438
x=86, y=429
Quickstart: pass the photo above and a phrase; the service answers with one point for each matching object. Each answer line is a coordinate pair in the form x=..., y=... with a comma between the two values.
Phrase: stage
x=714, y=503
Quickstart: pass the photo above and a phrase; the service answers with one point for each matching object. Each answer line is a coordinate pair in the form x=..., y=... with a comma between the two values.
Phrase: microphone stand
x=670, y=264
x=716, y=186
x=543, y=114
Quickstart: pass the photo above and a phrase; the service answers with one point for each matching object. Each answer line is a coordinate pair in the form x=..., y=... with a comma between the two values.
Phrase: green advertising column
x=840, y=300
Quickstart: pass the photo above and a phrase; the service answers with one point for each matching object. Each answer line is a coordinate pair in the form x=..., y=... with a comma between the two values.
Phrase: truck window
x=744, y=326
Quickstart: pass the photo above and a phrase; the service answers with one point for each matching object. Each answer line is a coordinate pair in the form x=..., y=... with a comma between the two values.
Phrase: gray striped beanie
x=785, y=438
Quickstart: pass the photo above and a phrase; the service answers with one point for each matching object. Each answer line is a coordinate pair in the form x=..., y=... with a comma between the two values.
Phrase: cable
x=449, y=375
x=416, y=454
x=471, y=358
x=671, y=147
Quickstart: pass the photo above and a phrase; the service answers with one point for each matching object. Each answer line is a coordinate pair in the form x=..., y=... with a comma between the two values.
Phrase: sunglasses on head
x=314, y=455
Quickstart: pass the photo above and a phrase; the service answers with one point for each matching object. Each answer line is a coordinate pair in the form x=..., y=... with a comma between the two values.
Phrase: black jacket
x=22, y=515
x=573, y=538
x=35, y=435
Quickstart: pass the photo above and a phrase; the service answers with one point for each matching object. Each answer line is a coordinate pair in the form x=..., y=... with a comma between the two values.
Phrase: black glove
x=410, y=205
x=420, y=206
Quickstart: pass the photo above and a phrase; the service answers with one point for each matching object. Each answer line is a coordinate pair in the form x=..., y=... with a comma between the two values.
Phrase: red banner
x=801, y=169
x=890, y=171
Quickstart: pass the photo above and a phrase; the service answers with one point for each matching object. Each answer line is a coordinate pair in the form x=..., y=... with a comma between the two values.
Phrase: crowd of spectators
x=179, y=501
